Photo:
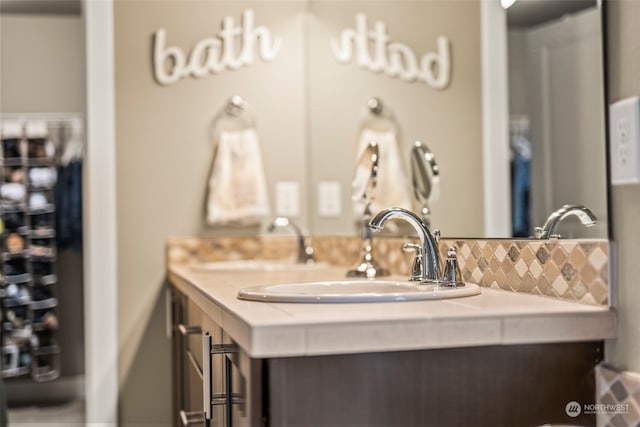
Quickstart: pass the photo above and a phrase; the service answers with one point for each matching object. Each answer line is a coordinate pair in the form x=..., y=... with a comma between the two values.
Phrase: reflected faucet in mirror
x=305, y=250
x=363, y=187
x=586, y=217
x=425, y=178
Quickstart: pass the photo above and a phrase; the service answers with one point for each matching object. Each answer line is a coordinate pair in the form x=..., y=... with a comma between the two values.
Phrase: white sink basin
x=255, y=265
x=354, y=291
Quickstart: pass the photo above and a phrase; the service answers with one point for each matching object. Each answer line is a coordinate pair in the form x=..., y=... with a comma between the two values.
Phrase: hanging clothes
x=68, y=190
x=520, y=185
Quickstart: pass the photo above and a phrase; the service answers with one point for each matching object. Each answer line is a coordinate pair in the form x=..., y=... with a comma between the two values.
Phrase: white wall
x=623, y=69
x=566, y=105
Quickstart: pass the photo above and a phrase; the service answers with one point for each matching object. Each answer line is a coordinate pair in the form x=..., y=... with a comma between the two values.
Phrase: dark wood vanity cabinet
x=215, y=383
x=503, y=385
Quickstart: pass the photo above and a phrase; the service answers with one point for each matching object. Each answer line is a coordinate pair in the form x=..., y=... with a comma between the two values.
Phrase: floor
x=67, y=415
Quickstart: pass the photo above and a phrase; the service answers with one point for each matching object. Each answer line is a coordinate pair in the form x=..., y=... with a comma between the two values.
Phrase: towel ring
x=235, y=105
x=379, y=117
x=376, y=106
x=235, y=115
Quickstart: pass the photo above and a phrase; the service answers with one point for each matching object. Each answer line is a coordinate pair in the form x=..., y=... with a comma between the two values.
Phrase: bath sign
x=213, y=55
x=373, y=50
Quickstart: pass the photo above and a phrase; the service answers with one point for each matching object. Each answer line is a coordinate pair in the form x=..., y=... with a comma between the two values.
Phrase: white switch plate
x=624, y=137
x=288, y=199
x=329, y=199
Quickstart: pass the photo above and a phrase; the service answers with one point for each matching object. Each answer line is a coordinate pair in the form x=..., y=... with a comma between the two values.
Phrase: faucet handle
x=541, y=233
x=418, y=262
x=436, y=235
x=451, y=273
x=538, y=232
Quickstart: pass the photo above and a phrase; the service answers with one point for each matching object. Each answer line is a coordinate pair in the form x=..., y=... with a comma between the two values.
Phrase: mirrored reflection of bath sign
x=374, y=51
x=213, y=55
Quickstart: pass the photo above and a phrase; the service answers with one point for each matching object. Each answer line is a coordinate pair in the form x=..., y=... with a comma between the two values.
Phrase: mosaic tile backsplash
x=618, y=397
x=576, y=270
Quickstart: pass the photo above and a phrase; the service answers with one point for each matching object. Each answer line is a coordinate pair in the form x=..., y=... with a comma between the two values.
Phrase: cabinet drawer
x=193, y=392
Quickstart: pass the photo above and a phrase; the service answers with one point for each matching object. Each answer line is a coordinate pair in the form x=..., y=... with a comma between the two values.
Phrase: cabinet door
x=208, y=363
x=244, y=376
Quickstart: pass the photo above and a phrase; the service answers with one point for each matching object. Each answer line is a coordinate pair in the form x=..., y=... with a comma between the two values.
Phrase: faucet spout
x=428, y=243
x=586, y=217
x=305, y=252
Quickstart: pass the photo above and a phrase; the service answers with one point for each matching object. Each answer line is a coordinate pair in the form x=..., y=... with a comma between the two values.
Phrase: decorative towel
x=391, y=189
x=237, y=186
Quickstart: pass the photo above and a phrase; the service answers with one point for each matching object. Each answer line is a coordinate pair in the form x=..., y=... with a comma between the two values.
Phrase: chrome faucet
x=586, y=217
x=363, y=186
x=428, y=248
x=305, y=251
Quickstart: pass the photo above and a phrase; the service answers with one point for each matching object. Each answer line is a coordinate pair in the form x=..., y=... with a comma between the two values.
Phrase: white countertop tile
x=494, y=317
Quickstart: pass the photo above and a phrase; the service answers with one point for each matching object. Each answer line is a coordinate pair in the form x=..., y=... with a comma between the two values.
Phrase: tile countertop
x=495, y=317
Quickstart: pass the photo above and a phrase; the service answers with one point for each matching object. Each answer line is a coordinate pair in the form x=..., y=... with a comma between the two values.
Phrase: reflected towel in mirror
x=391, y=188
x=237, y=190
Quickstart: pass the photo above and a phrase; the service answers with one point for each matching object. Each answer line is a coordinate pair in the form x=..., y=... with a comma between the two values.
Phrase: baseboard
x=21, y=392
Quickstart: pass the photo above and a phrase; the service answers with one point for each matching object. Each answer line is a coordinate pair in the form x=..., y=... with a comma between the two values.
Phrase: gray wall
x=164, y=151
x=42, y=70
x=163, y=155
x=42, y=67
x=448, y=121
x=624, y=69
x=518, y=73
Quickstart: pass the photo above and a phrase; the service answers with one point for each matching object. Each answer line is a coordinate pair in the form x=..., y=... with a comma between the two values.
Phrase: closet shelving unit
x=29, y=281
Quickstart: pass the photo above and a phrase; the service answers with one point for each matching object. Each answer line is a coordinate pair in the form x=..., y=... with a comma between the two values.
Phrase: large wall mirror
x=555, y=124
x=510, y=103
x=557, y=110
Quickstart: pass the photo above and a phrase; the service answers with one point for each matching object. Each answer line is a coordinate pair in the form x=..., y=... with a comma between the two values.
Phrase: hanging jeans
x=520, y=185
x=68, y=197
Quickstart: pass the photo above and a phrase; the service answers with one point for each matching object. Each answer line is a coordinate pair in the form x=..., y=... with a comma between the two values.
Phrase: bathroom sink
x=255, y=265
x=354, y=291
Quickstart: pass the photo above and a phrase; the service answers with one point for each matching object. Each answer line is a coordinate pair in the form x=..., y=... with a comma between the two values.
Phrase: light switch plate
x=288, y=199
x=624, y=137
x=329, y=199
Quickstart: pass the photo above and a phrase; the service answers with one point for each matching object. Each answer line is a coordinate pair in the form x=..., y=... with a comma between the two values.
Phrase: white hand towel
x=237, y=186
x=391, y=189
